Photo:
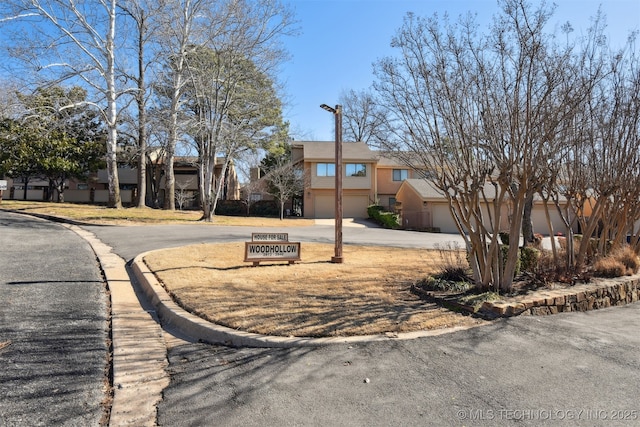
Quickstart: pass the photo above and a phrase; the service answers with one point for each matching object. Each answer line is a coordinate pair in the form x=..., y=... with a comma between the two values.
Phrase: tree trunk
x=112, y=113
x=527, y=223
x=142, y=121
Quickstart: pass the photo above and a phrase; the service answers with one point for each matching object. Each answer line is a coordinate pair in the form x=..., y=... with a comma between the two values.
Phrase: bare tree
x=601, y=163
x=364, y=119
x=284, y=182
x=183, y=196
x=485, y=114
x=142, y=13
x=73, y=41
x=236, y=29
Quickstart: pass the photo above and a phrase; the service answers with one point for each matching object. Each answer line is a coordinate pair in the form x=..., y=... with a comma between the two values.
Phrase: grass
x=94, y=214
x=368, y=294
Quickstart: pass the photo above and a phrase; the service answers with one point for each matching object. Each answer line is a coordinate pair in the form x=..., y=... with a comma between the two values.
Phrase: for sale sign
x=3, y=184
x=269, y=237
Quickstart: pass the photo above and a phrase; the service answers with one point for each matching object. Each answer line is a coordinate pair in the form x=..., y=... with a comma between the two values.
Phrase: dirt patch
x=368, y=294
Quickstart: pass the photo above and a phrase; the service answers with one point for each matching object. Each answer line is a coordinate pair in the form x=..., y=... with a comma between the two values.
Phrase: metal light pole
x=337, y=112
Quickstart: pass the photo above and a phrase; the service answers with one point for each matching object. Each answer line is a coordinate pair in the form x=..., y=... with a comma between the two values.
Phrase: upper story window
x=356, y=169
x=400, y=174
x=325, y=169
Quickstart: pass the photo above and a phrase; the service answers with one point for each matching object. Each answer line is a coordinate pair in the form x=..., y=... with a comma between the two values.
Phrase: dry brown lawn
x=368, y=294
x=94, y=214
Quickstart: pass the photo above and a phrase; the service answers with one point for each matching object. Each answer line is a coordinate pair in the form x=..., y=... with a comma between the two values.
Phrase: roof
x=325, y=150
x=423, y=188
x=426, y=190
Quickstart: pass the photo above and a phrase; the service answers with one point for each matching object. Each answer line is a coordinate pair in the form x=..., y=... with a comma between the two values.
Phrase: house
x=372, y=178
x=423, y=207
x=96, y=188
x=367, y=178
x=358, y=179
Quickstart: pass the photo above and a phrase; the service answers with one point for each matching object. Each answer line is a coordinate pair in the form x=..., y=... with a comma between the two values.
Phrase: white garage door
x=539, y=219
x=442, y=219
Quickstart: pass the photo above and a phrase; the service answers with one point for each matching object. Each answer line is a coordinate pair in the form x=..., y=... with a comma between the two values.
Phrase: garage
x=442, y=218
x=352, y=206
x=324, y=207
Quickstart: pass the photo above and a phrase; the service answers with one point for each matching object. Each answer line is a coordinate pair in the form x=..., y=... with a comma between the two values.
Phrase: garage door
x=442, y=219
x=355, y=206
x=352, y=206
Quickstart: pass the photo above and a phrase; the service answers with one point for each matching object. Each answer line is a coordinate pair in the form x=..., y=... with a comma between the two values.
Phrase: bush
x=267, y=208
x=627, y=257
x=453, y=274
x=529, y=257
x=386, y=219
x=609, y=267
x=374, y=210
x=231, y=208
x=443, y=285
x=504, y=237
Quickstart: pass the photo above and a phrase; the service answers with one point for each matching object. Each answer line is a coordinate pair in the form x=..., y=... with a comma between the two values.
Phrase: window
x=356, y=169
x=400, y=174
x=392, y=203
x=325, y=169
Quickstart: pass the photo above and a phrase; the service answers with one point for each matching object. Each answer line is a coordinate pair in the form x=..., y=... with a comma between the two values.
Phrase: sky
x=341, y=39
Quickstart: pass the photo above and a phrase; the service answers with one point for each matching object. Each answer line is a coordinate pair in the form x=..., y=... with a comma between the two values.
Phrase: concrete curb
x=171, y=315
x=139, y=351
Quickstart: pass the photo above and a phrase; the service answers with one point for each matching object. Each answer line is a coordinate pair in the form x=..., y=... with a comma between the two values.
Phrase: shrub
x=231, y=208
x=627, y=257
x=268, y=208
x=609, y=267
x=386, y=219
x=529, y=257
x=374, y=210
x=454, y=273
x=439, y=284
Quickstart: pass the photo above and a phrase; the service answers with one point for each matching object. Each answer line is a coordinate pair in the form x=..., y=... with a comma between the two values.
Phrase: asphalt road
x=130, y=241
x=53, y=325
x=568, y=369
x=574, y=369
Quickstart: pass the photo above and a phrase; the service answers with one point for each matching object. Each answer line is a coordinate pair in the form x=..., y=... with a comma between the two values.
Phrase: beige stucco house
x=367, y=178
x=422, y=207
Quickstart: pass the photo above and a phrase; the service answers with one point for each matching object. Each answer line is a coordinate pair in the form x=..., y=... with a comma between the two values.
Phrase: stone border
x=601, y=293
x=592, y=296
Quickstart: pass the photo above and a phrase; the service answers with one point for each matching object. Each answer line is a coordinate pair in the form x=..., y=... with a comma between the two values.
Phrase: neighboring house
x=358, y=184
x=422, y=207
x=367, y=178
x=390, y=174
x=371, y=178
x=96, y=188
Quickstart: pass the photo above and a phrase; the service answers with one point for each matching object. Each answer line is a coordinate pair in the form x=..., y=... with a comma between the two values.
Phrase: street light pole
x=337, y=112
